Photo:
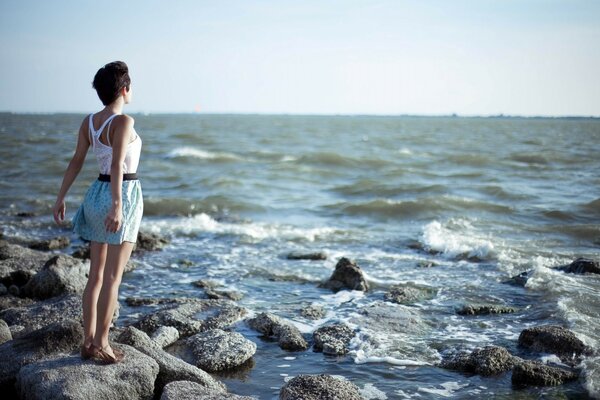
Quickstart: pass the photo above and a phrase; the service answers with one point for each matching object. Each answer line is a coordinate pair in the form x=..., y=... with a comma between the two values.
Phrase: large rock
x=5, y=334
x=18, y=264
x=31, y=317
x=319, y=387
x=519, y=280
x=59, y=337
x=313, y=311
x=553, y=339
x=347, y=275
x=68, y=377
x=307, y=256
x=150, y=241
x=405, y=294
x=582, y=266
x=192, y=316
x=61, y=274
x=10, y=301
x=186, y=390
x=288, y=336
x=484, y=309
x=490, y=360
x=217, y=350
x=537, y=374
x=56, y=243
x=165, y=335
x=171, y=368
x=333, y=339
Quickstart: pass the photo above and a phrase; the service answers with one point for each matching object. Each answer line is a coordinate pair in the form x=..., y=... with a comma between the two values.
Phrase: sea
x=457, y=205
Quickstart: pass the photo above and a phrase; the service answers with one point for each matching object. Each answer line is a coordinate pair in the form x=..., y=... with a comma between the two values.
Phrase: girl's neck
x=116, y=107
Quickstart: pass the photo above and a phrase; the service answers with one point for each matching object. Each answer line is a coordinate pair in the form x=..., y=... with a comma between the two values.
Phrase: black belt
x=126, y=177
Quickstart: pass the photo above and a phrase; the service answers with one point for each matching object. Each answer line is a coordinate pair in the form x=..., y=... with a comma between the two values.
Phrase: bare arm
x=71, y=173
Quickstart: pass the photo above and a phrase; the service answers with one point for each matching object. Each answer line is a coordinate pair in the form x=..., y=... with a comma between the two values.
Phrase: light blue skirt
x=88, y=221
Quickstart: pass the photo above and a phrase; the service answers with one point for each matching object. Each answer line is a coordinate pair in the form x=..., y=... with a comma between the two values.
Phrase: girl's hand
x=59, y=211
x=114, y=219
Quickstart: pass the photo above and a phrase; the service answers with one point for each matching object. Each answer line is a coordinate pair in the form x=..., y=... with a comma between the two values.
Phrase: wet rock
x=18, y=263
x=347, y=275
x=10, y=301
x=288, y=336
x=171, y=368
x=193, y=316
x=217, y=350
x=427, y=264
x=307, y=256
x=186, y=390
x=313, y=311
x=25, y=214
x=519, y=280
x=150, y=241
x=165, y=335
x=205, y=283
x=59, y=337
x=389, y=317
x=223, y=294
x=487, y=361
x=3, y=289
x=56, y=243
x=82, y=252
x=582, y=266
x=537, y=374
x=553, y=339
x=42, y=313
x=62, y=274
x=68, y=377
x=404, y=294
x=333, y=339
x=5, y=334
x=484, y=309
x=319, y=387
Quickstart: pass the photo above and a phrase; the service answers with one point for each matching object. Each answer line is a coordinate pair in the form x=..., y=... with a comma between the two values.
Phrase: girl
x=111, y=212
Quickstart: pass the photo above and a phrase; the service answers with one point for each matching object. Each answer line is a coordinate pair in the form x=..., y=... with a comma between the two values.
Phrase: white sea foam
x=457, y=237
x=447, y=390
x=370, y=392
x=194, y=152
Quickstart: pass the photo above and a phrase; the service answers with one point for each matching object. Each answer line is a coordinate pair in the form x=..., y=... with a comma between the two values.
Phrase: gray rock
x=56, y=243
x=313, y=311
x=319, y=387
x=60, y=337
x=150, y=241
x=404, y=294
x=62, y=274
x=307, y=256
x=537, y=374
x=484, y=309
x=388, y=317
x=553, y=339
x=18, y=263
x=519, y=280
x=68, y=377
x=582, y=266
x=223, y=294
x=5, y=334
x=171, y=368
x=186, y=390
x=82, y=252
x=217, y=350
x=11, y=301
x=289, y=337
x=333, y=339
x=205, y=284
x=3, y=289
x=14, y=290
x=347, y=275
x=165, y=335
x=192, y=316
x=42, y=313
x=487, y=361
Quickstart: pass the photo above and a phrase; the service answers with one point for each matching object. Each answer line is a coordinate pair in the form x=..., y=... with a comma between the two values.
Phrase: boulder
x=405, y=294
x=5, y=334
x=56, y=243
x=313, y=311
x=519, y=280
x=484, y=309
x=223, y=294
x=186, y=390
x=307, y=256
x=553, y=339
x=531, y=373
x=11, y=301
x=319, y=387
x=3, y=289
x=582, y=266
x=217, y=350
x=62, y=274
x=288, y=336
x=58, y=337
x=150, y=241
x=333, y=339
x=68, y=377
x=165, y=335
x=347, y=275
x=487, y=361
x=171, y=368
x=18, y=264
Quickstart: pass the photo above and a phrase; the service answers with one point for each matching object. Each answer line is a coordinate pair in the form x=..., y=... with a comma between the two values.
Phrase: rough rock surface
x=165, y=335
x=403, y=294
x=223, y=294
x=313, y=311
x=347, y=275
x=171, y=368
x=536, y=374
x=191, y=316
x=333, y=339
x=487, y=361
x=582, y=266
x=553, y=339
x=61, y=274
x=5, y=334
x=18, y=264
x=307, y=256
x=217, y=350
x=186, y=390
x=289, y=337
x=10, y=301
x=68, y=377
x=56, y=243
x=319, y=387
x=519, y=280
x=64, y=336
x=484, y=309
x=149, y=241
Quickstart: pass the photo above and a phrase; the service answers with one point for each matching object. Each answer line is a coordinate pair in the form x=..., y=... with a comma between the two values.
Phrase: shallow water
x=483, y=199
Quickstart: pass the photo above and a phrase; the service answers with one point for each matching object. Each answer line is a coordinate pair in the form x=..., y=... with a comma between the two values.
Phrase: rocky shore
x=41, y=331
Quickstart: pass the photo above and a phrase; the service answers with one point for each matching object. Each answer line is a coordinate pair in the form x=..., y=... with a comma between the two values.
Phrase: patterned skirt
x=88, y=221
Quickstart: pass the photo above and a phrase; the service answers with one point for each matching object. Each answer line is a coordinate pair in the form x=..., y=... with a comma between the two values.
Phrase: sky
x=479, y=57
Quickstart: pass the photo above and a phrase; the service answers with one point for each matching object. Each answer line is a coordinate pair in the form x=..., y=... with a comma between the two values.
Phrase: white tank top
x=104, y=153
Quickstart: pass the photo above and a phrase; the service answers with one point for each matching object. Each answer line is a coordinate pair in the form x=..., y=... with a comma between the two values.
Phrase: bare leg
x=117, y=257
x=92, y=290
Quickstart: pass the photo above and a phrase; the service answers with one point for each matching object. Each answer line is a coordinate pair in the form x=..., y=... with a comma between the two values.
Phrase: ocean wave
x=376, y=188
x=210, y=204
x=457, y=239
x=529, y=158
x=196, y=153
x=593, y=206
x=338, y=160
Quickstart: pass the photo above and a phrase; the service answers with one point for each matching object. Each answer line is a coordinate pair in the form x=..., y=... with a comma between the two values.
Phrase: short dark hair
x=110, y=79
